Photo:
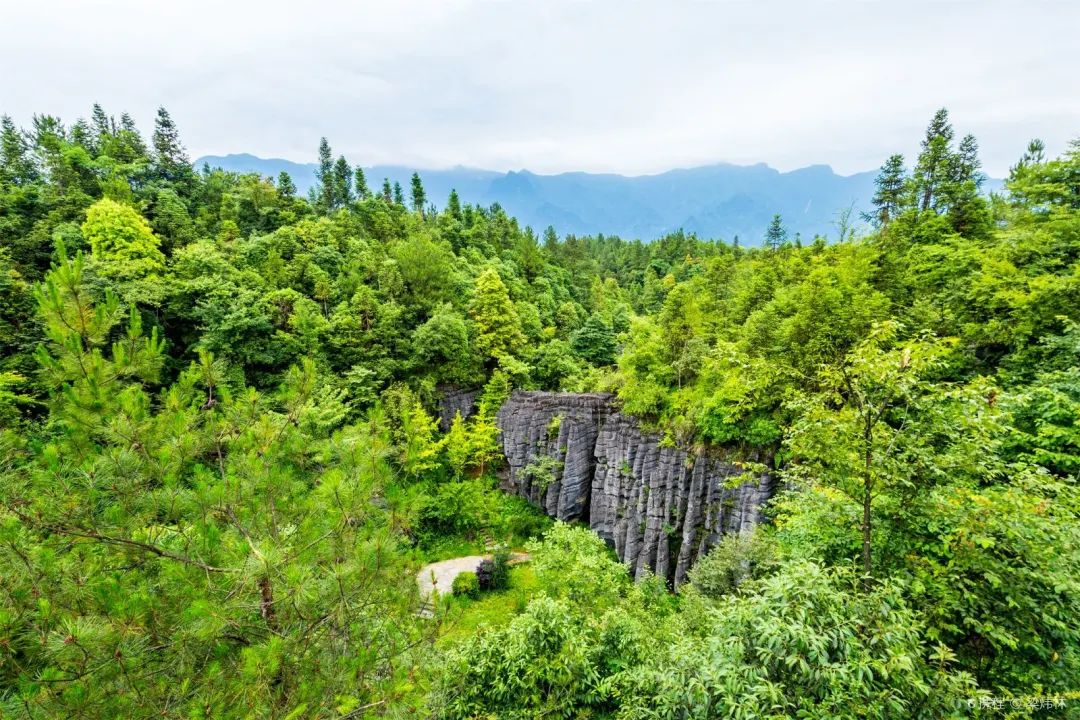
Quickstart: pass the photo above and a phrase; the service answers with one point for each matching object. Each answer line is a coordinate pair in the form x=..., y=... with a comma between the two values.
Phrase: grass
x=493, y=608
x=450, y=546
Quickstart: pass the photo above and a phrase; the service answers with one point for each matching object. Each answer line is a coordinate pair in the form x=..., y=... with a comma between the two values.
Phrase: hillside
x=721, y=200
x=828, y=479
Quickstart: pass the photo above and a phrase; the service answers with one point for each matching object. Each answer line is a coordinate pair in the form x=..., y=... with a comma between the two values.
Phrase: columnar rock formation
x=576, y=456
x=455, y=401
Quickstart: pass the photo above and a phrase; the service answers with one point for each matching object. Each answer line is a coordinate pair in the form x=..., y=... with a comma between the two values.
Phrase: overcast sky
x=619, y=86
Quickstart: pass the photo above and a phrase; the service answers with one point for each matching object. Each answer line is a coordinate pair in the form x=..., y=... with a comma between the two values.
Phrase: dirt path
x=440, y=575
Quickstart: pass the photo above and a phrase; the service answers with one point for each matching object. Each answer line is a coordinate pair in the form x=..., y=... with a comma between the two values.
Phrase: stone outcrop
x=580, y=459
x=454, y=400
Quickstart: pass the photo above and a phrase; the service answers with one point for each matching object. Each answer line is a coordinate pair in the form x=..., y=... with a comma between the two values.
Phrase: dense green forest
x=220, y=467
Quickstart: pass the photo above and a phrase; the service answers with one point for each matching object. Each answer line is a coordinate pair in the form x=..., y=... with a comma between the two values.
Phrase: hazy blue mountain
x=720, y=200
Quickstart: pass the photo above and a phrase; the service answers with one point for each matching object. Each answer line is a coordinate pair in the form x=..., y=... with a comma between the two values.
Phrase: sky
x=624, y=87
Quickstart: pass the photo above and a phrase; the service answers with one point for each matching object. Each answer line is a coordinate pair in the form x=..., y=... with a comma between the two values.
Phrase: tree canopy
x=226, y=455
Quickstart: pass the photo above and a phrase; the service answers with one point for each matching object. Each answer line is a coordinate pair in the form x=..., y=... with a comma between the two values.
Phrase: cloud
x=604, y=86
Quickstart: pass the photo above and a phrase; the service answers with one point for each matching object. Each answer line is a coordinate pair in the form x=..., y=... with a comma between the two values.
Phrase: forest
x=221, y=463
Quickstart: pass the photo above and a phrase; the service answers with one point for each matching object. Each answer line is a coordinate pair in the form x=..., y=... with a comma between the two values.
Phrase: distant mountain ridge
x=715, y=201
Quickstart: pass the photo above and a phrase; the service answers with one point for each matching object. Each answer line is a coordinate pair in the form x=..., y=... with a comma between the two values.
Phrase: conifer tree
x=453, y=205
x=890, y=184
x=498, y=329
x=343, y=176
x=16, y=166
x=551, y=239
x=130, y=146
x=82, y=136
x=324, y=174
x=285, y=185
x=967, y=163
x=360, y=186
x=102, y=125
x=417, y=192
x=933, y=167
x=399, y=194
x=170, y=156
x=777, y=234
x=387, y=191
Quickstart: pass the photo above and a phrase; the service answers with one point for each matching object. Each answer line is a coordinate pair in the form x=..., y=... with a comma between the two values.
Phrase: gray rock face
x=454, y=400
x=577, y=457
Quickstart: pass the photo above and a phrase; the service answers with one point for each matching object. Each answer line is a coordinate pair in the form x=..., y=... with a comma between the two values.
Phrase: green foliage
x=466, y=585
x=542, y=471
x=498, y=330
x=500, y=568
x=219, y=457
x=734, y=560
x=206, y=549
x=573, y=564
x=802, y=643
x=595, y=341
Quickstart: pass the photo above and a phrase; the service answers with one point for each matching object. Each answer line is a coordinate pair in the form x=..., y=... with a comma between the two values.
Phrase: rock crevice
x=580, y=459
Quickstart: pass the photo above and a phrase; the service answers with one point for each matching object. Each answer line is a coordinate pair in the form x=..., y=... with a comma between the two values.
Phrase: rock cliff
x=577, y=457
x=454, y=401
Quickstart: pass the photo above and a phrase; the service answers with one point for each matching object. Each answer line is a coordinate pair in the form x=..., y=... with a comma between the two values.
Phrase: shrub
x=542, y=471
x=517, y=517
x=574, y=564
x=806, y=641
x=735, y=559
x=485, y=571
x=494, y=573
x=466, y=585
x=500, y=569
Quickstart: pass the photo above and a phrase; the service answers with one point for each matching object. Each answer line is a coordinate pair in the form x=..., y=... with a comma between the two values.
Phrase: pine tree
x=131, y=147
x=933, y=167
x=399, y=194
x=551, y=239
x=595, y=341
x=16, y=166
x=891, y=188
x=324, y=174
x=777, y=234
x=102, y=125
x=285, y=186
x=343, y=175
x=170, y=156
x=82, y=136
x=498, y=329
x=387, y=191
x=102, y=129
x=1035, y=154
x=453, y=205
x=417, y=192
x=968, y=212
x=360, y=186
x=967, y=163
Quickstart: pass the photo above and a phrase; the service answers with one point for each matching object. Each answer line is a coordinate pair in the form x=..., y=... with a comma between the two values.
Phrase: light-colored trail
x=440, y=575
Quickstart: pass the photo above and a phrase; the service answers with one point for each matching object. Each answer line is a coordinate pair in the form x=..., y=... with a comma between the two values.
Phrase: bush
x=806, y=641
x=494, y=573
x=484, y=573
x=466, y=584
x=735, y=559
x=500, y=569
x=517, y=518
x=456, y=508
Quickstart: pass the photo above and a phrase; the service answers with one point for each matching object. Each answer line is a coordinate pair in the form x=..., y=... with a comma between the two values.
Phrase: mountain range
x=715, y=201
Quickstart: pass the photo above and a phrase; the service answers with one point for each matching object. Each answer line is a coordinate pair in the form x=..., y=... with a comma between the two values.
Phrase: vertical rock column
x=556, y=432
x=659, y=507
